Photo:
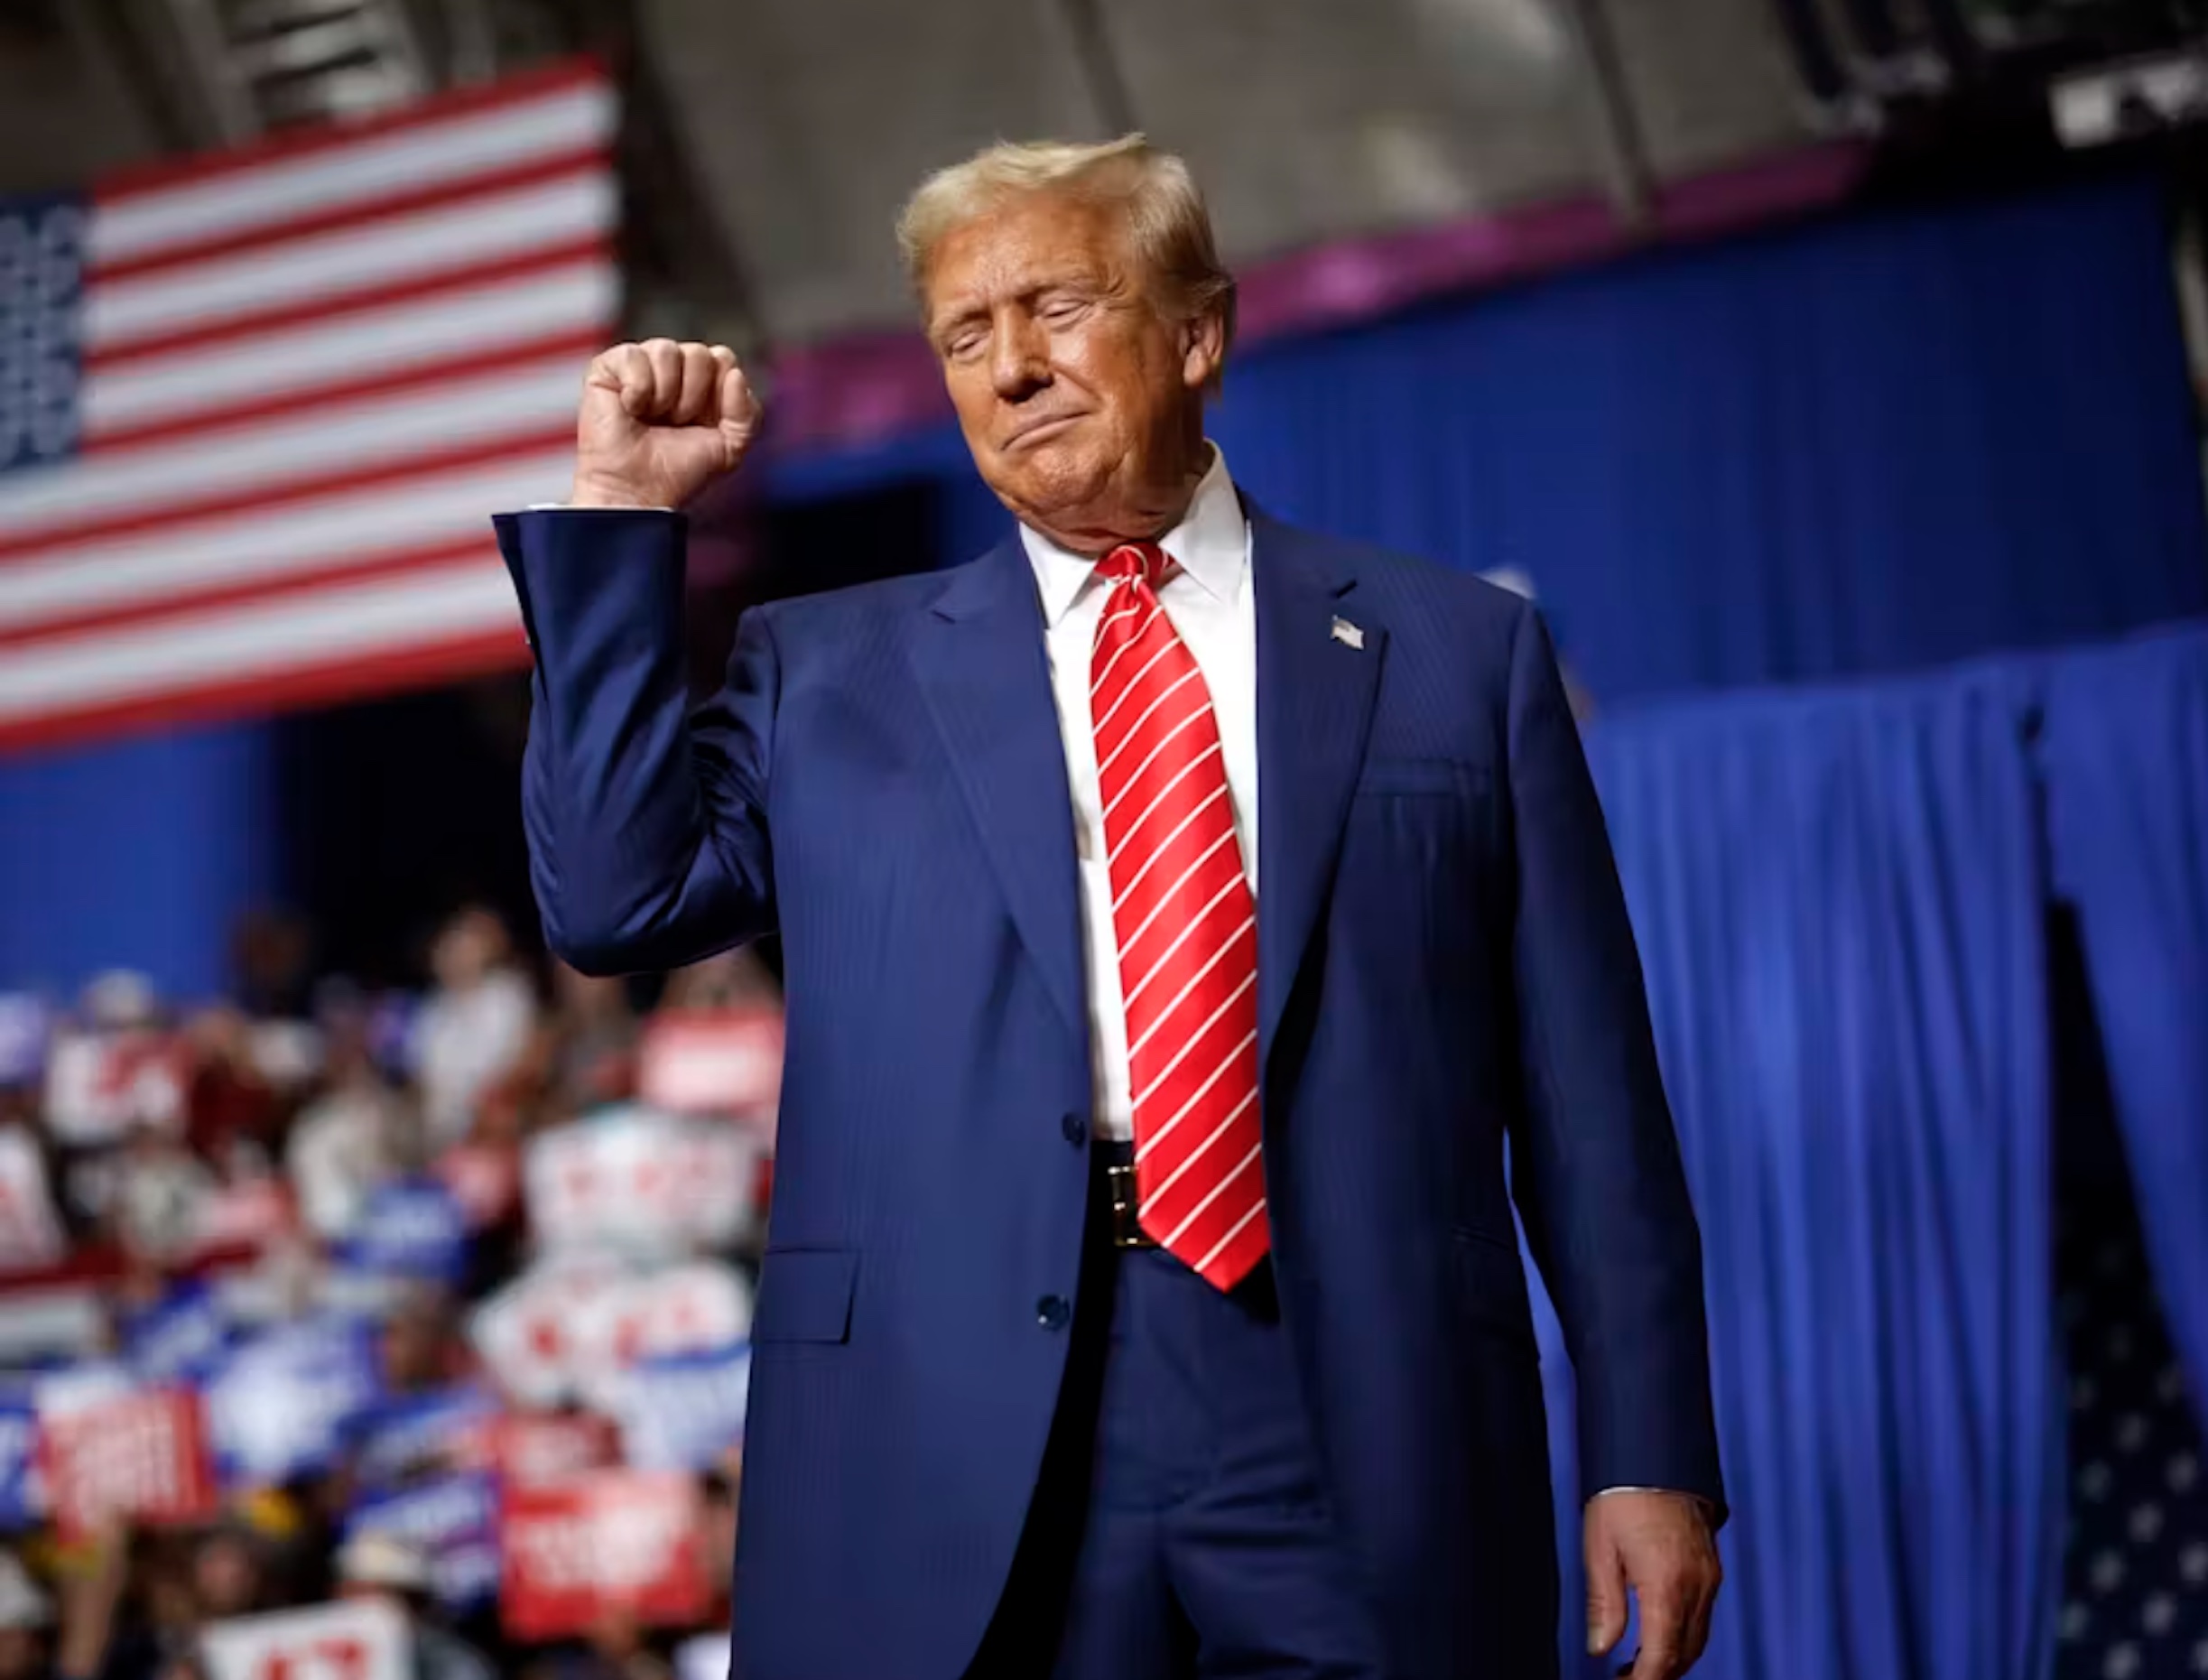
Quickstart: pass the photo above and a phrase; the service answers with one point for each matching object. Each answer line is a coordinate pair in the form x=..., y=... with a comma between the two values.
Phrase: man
x=1180, y=911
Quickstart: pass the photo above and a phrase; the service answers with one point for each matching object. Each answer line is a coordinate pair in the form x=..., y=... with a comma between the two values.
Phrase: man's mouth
x=1032, y=432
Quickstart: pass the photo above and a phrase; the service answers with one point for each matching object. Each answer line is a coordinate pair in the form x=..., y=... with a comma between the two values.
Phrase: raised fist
x=659, y=421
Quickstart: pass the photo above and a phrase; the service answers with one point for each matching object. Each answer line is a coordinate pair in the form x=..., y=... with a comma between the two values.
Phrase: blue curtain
x=1880, y=443
x=1839, y=898
x=2126, y=753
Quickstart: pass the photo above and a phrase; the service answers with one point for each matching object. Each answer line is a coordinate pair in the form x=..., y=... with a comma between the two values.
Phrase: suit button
x=1075, y=1128
x=1053, y=1312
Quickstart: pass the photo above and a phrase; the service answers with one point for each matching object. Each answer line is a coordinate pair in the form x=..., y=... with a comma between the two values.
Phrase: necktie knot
x=1132, y=561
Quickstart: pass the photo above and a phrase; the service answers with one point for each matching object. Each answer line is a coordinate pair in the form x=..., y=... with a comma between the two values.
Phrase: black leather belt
x=1114, y=1165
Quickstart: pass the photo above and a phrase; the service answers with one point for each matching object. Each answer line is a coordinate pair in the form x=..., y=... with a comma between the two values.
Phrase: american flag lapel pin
x=1349, y=635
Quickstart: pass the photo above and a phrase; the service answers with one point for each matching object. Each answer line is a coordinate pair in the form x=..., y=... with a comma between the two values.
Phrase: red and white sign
x=568, y=1330
x=242, y=1220
x=713, y=1062
x=30, y=1235
x=639, y=1182
x=537, y=1450
x=142, y=1455
x=355, y=1639
x=99, y=1085
x=615, y=1540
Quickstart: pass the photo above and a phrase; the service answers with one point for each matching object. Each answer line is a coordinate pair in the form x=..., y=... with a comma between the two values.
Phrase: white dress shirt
x=1209, y=599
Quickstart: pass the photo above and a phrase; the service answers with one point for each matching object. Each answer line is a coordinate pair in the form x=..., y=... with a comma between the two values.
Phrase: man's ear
x=1203, y=350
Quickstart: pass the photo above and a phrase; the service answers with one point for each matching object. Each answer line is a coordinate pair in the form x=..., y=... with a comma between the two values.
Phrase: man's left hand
x=1658, y=1545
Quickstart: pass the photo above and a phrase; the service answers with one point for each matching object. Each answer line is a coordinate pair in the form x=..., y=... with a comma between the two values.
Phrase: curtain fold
x=2125, y=751
x=1839, y=900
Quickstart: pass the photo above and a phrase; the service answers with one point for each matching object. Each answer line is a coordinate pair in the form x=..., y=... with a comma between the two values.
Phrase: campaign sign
x=639, y=1182
x=622, y=1540
x=544, y=1449
x=413, y=1229
x=281, y=1404
x=143, y=1456
x=99, y=1085
x=682, y=1411
x=22, y=1494
x=454, y=1520
x=183, y=1337
x=414, y=1435
x=240, y=1221
x=712, y=1061
x=569, y=1331
x=355, y=1639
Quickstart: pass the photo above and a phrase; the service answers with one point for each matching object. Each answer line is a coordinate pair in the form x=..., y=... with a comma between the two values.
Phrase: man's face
x=1078, y=393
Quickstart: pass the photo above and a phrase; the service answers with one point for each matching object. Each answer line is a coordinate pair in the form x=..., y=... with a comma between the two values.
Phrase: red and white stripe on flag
x=304, y=376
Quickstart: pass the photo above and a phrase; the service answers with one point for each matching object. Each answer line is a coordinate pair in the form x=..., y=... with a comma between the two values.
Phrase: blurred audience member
x=615, y=1649
x=475, y=1028
x=270, y=957
x=230, y=1572
x=594, y=1050
x=26, y=1619
x=730, y=980
x=159, y=1194
x=344, y=1143
x=230, y=1112
x=419, y=1349
x=382, y=1566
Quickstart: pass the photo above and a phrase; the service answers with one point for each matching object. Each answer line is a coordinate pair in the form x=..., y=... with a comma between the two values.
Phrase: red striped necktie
x=1187, y=928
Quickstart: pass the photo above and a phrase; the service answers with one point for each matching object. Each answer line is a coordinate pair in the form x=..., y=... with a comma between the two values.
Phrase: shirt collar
x=1210, y=544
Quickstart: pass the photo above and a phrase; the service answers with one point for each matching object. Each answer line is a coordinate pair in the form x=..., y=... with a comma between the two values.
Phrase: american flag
x=2135, y=1564
x=256, y=409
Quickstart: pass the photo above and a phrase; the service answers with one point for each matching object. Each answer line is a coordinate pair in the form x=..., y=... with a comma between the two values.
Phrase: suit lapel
x=1316, y=686
x=979, y=657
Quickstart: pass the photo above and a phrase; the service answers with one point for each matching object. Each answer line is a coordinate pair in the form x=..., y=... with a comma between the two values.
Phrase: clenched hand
x=1658, y=1545
x=659, y=421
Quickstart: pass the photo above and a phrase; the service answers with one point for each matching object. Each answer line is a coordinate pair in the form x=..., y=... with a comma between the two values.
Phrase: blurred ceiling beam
x=1624, y=150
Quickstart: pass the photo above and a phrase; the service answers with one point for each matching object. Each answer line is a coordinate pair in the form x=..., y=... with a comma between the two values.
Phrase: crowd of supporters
x=350, y=1330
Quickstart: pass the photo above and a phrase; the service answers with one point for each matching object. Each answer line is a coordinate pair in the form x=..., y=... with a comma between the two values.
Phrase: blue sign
x=25, y=1025
x=42, y=296
x=681, y=1411
x=409, y=1434
x=22, y=1498
x=413, y=1229
x=454, y=1521
x=281, y=1404
x=183, y=1337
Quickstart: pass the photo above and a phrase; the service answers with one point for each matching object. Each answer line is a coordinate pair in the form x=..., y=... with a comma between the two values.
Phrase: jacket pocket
x=805, y=1295
x=1491, y=1286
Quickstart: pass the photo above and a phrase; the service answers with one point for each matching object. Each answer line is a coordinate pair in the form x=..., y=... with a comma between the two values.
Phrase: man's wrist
x=598, y=493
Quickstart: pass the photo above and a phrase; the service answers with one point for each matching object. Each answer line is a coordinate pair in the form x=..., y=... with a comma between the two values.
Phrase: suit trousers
x=1179, y=1529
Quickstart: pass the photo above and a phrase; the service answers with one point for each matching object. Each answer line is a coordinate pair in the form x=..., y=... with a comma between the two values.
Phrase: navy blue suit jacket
x=1445, y=964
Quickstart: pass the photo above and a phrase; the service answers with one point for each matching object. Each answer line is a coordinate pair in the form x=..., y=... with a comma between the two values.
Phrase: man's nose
x=1018, y=363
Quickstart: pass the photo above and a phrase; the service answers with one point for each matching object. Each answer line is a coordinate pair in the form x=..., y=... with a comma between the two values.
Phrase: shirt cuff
x=562, y=508
x=1708, y=1510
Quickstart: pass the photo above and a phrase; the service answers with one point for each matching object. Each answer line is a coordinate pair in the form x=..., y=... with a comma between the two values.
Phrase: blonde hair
x=1165, y=210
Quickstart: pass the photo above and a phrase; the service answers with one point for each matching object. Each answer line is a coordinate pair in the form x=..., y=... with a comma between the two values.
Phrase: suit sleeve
x=647, y=824
x=1598, y=1177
